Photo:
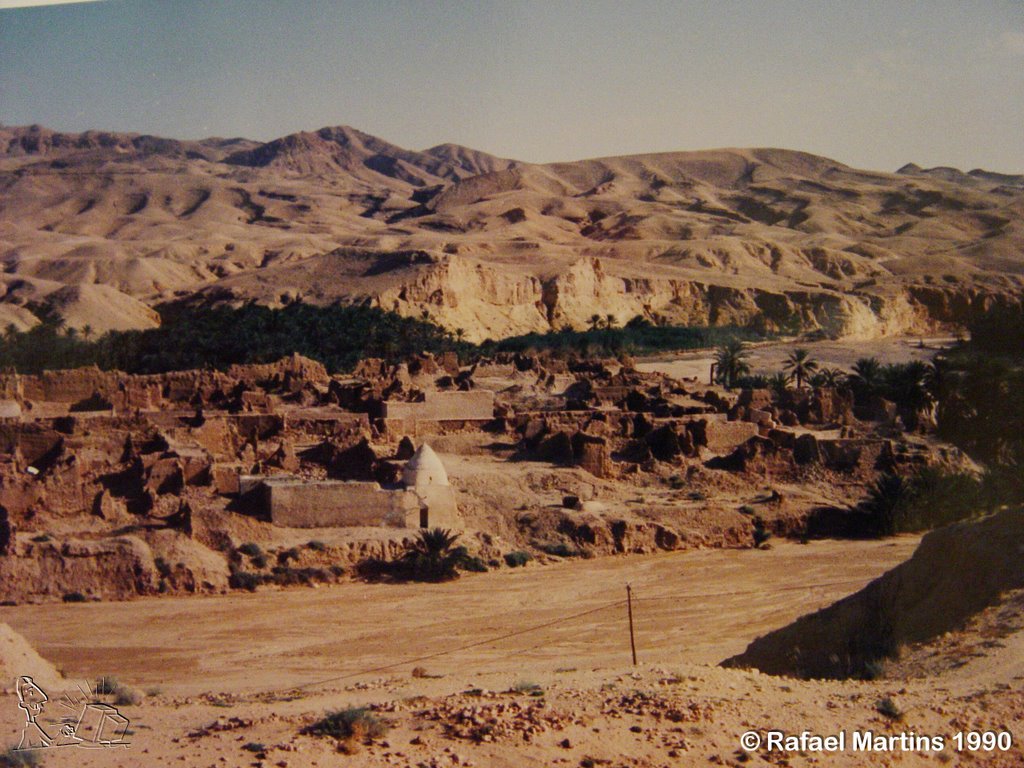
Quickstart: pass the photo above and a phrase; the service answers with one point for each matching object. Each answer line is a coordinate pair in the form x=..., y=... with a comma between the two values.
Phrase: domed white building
x=424, y=475
x=423, y=469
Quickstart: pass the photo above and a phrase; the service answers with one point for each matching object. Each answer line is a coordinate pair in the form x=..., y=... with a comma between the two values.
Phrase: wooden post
x=629, y=608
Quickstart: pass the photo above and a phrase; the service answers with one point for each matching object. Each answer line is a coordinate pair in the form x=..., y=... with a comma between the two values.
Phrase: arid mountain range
x=98, y=228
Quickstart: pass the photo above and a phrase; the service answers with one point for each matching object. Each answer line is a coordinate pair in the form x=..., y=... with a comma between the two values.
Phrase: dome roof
x=424, y=468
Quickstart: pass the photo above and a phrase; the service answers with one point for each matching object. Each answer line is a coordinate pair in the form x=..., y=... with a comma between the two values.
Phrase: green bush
x=559, y=549
x=75, y=597
x=474, y=565
x=761, y=533
x=286, y=576
x=517, y=559
x=250, y=549
x=346, y=723
x=245, y=580
x=317, y=546
x=528, y=687
x=124, y=695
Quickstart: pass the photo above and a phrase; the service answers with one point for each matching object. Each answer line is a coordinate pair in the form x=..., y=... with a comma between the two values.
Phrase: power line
x=742, y=593
x=545, y=625
x=449, y=651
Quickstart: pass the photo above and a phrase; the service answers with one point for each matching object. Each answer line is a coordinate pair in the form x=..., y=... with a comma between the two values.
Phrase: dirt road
x=768, y=358
x=698, y=606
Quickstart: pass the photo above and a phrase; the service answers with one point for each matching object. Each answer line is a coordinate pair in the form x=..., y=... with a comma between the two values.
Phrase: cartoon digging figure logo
x=88, y=723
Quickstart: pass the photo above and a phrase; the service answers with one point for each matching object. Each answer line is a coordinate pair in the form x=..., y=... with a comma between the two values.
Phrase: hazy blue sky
x=871, y=84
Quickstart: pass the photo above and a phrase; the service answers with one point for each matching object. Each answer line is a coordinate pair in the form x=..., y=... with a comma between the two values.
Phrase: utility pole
x=629, y=608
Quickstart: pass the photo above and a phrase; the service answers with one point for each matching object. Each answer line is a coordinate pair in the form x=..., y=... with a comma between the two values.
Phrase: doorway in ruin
x=424, y=517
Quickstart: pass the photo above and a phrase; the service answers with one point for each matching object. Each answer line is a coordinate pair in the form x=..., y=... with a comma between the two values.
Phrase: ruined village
x=117, y=486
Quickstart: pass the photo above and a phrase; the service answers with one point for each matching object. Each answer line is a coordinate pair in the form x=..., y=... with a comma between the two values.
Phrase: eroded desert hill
x=99, y=227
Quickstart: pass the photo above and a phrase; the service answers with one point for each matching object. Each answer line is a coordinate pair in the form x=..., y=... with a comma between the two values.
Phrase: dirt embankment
x=956, y=572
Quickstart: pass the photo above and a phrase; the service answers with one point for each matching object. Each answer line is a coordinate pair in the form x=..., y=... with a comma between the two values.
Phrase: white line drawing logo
x=89, y=724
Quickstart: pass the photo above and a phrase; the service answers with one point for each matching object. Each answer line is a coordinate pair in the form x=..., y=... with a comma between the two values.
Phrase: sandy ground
x=357, y=643
x=768, y=358
x=700, y=606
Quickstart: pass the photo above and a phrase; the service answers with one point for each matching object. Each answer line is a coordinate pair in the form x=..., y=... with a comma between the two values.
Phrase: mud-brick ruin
x=114, y=485
x=422, y=498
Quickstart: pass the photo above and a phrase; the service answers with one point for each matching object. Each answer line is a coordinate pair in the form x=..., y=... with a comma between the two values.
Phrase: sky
x=872, y=84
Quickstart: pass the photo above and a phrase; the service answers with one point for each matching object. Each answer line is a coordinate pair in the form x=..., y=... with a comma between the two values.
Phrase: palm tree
x=828, y=377
x=595, y=322
x=731, y=363
x=887, y=504
x=777, y=383
x=800, y=365
x=907, y=385
x=433, y=556
x=867, y=375
x=86, y=331
x=610, y=321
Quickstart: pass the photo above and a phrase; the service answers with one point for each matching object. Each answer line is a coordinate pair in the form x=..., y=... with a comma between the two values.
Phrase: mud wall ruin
x=301, y=503
x=444, y=406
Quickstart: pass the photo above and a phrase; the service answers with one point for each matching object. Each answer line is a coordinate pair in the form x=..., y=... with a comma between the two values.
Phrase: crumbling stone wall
x=299, y=503
x=444, y=406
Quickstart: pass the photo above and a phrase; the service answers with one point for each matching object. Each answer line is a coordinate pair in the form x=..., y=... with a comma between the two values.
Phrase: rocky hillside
x=98, y=227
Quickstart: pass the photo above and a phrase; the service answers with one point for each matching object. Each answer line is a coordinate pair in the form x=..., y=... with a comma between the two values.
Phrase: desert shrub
x=761, y=533
x=245, y=580
x=875, y=669
x=517, y=558
x=473, y=564
x=162, y=567
x=889, y=708
x=254, y=746
x=260, y=560
x=106, y=685
x=287, y=554
x=290, y=576
x=746, y=509
x=528, y=687
x=41, y=538
x=74, y=597
x=346, y=723
x=250, y=549
x=125, y=696
x=559, y=549
x=317, y=546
